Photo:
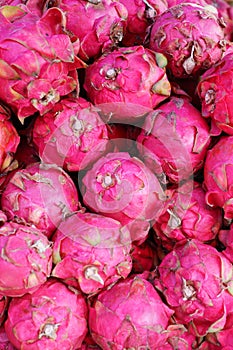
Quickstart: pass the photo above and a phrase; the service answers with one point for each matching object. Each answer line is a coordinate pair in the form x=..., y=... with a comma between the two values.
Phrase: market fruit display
x=116, y=185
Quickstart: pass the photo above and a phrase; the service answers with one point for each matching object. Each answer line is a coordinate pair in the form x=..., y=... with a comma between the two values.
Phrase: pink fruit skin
x=72, y=135
x=194, y=279
x=131, y=326
x=25, y=260
x=174, y=140
x=133, y=75
x=226, y=238
x=215, y=93
x=178, y=337
x=122, y=187
x=3, y=308
x=187, y=216
x=140, y=16
x=41, y=195
x=53, y=318
x=50, y=56
x=191, y=38
x=4, y=341
x=218, y=176
x=91, y=252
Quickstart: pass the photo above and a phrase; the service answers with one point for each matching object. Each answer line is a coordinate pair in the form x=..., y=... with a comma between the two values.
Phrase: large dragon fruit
x=53, y=318
x=42, y=195
x=190, y=36
x=136, y=313
x=131, y=79
x=38, y=61
x=25, y=260
x=194, y=279
x=141, y=14
x=187, y=216
x=218, y=176
x=91, y=251
x=174, y=139
x=215, y=92
x=72, y=135
x=122, y=187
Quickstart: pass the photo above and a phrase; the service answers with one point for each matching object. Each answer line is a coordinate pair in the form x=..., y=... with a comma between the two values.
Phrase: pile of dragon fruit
x=116, y=175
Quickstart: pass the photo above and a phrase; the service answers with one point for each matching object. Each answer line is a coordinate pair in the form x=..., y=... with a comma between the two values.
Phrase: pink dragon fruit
x=137, y=315
x=174, y=140
x=26, y=259
x=42, y=195
x=190, y=36
x=98, y=24
x=38, y=61
x=194, y=279
x=215, y=93
x=141, y=14
x=128, y=82
x=122, y=187
x=4, y=341
x=72, y=135
x=91, y=252
x=187, y=216
x=218, y=177
x=53, y=318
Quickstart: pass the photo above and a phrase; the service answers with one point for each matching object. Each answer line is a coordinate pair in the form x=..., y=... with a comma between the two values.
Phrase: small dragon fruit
x=25, y=260
x=174, y=140
x=215, y=93
x=42, y=195
x=122, y=187
x=218, y=176
x=132, y=79
x=136, y=313
x=4, y=341
x=38, y=61
x=187, y=216
x=190, y=36
x=52, y=318
x=141, y=14
x=91, y=251
x=71, y=135
x=194, y=279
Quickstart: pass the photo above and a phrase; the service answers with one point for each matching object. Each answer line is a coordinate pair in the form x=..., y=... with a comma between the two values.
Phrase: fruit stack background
x=116, y=174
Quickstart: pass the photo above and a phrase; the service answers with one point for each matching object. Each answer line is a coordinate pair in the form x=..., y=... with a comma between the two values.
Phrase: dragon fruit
x=194, y=279
x=187, y=216
x=26, y=259
x=42, y=195
x=141, y=14
x=4, y=341
x=72, y=135
x=136, y=313
x=52, y=318
x=174, y=140
x=91, y=251
x=38, y=61
x=218, y=178
x=215, y=93
x=191, y=38
x=131, y=79
x=122, y=187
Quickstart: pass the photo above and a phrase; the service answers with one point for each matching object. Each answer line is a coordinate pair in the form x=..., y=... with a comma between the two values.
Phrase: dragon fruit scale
x=187, y=216
x=122, y=187
x=191, y=38
x=25, y=260
x=42, y=195
x=132, y=77
x=215, y=93
x=91, y=251
x=174, y=140
x=137, y=315
x=52, y=318
x=38, y=61
x=218, y=179
x=71, y=135
x=196, y=280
